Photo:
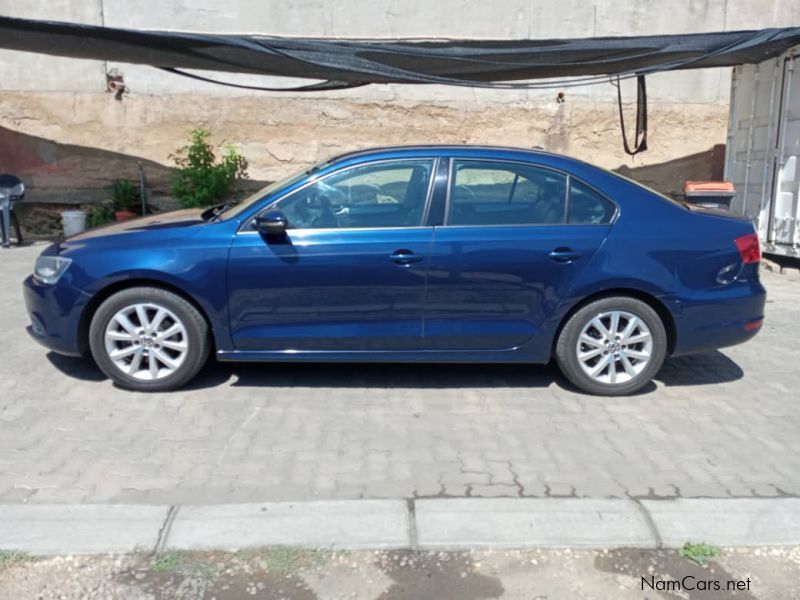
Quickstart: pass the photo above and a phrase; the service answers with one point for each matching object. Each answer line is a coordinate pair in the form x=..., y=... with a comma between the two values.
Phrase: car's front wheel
x=612, y=346
x=149, y=339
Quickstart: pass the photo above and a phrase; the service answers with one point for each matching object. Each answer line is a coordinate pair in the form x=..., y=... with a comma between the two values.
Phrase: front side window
x=386, y=194
x=498, y=193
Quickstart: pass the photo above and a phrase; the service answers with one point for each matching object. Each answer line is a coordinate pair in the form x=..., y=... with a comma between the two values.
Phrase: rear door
x=515, y=236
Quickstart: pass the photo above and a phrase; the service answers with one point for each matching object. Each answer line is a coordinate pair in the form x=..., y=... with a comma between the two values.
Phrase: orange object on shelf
x=709, y=194
x=708, y=187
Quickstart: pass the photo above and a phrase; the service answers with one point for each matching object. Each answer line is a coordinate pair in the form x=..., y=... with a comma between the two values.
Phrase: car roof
x=536, y=155
x=442, y=149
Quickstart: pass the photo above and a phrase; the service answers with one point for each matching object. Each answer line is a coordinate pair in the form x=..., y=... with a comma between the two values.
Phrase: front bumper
x=55, y=313
x=719, y=318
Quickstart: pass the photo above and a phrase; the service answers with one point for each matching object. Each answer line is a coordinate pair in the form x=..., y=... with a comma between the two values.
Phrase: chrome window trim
x=529, y=225
x=342, y=229
x=429, y=196
x=246, y=227
x=568, y=199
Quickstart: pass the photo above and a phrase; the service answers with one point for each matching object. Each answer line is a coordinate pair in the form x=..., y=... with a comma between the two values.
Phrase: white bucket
x=73, y=222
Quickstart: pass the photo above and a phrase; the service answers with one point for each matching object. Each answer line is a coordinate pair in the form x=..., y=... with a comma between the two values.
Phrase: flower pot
x=124, y=215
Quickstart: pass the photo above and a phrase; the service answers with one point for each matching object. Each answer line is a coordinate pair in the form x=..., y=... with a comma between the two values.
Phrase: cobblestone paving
x=720, y=424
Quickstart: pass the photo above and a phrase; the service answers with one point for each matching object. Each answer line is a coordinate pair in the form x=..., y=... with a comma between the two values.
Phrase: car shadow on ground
x=699, y=369
x=389, y=376
x=76, y=367
x=702, y=369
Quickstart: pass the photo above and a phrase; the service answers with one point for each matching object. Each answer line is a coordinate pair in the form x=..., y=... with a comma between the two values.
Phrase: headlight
x=49, y=269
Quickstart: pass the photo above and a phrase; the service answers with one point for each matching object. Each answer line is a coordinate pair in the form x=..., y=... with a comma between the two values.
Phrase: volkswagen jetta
x=415, y=254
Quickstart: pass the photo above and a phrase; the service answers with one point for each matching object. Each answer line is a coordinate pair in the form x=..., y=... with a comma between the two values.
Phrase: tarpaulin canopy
x=350, y=62
x=347, y=63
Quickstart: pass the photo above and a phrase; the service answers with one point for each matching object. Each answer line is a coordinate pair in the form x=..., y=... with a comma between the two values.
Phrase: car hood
x=189, y=217
x=163, y=228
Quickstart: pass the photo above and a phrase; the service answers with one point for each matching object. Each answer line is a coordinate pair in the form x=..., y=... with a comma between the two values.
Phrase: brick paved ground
x=720, y=424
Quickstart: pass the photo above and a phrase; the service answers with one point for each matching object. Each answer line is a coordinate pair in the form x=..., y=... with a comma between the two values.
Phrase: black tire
x=567, y=347
x=198, y=338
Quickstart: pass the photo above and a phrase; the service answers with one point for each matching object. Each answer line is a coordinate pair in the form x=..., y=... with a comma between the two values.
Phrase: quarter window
x=587, y=206
x=387, y=194
x=495, y=193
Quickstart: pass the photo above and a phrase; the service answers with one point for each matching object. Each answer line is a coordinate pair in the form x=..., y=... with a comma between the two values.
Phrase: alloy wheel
x=614, y=347
x=146, y=341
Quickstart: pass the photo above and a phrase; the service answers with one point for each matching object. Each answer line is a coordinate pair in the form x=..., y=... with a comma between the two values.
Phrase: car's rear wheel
x=149, y=339
x=612, y=346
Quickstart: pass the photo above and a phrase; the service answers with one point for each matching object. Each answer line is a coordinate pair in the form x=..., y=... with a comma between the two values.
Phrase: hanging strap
x=640, y=141
x=322, y=86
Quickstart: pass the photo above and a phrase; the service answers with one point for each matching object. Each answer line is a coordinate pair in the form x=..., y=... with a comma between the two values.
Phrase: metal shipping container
x=762, y=156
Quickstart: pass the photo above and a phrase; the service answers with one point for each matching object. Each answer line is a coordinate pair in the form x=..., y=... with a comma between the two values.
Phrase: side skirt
x=516, y=355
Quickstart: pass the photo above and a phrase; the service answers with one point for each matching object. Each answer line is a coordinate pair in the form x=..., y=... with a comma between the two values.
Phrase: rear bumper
x=54, y=312
x=719, y=318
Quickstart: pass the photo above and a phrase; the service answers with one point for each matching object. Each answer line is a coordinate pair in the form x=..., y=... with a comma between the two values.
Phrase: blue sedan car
x=415, y=254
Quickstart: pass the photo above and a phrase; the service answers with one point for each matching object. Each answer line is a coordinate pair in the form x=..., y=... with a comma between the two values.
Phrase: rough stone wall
x=68, y=146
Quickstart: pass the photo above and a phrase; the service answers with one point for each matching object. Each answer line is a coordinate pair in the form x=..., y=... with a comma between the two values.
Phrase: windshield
x=235, y=209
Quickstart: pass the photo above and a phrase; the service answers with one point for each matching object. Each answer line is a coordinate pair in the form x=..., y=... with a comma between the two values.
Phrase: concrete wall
x=67, y=136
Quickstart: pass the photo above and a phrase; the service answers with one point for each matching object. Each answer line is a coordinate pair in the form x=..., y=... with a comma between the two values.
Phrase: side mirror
x=272, y=223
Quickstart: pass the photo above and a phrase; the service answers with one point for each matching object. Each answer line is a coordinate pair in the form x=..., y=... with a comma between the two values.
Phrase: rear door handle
x=405, y=257
x=564, y=254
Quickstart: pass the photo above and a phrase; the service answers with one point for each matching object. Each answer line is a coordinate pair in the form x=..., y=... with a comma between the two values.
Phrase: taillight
x=749, y=248
x=753, y=325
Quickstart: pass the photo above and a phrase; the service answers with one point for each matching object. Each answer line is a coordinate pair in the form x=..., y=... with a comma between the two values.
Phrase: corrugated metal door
x=750, y=149
x=763, y=150
x=783, y=228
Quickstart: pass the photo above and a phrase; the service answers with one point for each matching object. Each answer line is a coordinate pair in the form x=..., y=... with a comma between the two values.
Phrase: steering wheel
x=327, y=218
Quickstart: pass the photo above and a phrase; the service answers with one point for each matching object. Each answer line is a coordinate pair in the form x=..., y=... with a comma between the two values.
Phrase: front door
x=350, y=274
x=515, y=237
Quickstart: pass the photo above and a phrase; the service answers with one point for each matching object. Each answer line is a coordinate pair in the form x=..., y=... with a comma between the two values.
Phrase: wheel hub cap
x=146, y=341
x=614, y=347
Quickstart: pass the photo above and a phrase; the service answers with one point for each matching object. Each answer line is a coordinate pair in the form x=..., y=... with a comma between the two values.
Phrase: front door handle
x=564, y=254
x=405, y=257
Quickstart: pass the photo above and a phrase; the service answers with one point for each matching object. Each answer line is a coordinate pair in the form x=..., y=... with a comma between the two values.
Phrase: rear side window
x=587, y=206
x=499, y=193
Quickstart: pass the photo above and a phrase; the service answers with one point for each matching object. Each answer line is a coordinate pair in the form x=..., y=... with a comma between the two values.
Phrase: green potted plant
x=99, y=214
x=201, y=178
x=124, y=197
